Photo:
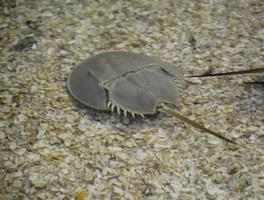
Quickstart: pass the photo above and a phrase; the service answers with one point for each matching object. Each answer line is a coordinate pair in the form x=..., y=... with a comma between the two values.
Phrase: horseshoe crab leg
x=125, y=113
x=112, y=107
x=109, y=105
x=118, y=110
x=167, y=110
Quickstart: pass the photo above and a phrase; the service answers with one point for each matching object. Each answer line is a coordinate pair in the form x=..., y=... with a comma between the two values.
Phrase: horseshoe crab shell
x=132, y=82
x=129, y=82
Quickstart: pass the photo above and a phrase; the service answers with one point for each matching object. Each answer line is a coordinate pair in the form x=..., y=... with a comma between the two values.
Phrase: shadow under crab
x=130, y=83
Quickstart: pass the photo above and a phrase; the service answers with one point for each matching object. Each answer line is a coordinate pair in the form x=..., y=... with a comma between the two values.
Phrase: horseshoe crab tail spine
x=180, y=116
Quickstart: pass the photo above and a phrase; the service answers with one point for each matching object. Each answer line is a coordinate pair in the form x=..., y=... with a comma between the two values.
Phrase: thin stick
x=255, y=82
x=249, y=71
x=180, y=116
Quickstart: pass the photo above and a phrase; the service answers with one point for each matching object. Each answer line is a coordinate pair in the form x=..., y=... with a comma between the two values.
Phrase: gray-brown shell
x=132, y=82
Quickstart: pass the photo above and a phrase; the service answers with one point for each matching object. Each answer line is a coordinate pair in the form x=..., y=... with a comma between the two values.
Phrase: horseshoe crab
x=129, y=82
